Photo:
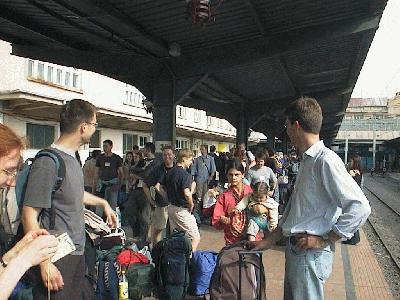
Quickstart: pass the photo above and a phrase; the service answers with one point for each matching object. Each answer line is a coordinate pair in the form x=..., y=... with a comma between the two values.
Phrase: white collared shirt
x=325, y=197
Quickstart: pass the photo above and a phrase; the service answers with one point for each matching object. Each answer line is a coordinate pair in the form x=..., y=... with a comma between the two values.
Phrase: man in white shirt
x=326, y=205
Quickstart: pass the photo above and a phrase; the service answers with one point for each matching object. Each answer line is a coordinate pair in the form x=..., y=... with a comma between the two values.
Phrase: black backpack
x=171, y=257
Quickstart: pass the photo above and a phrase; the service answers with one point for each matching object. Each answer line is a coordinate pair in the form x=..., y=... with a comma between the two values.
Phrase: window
x=126, y=98
x=31, y=65
x=131, y=98
x=178, y=144
x=75, y=80
x=142, y=141
x=219, y=123
x=197, y=116
x=181, y=112
x=95, y=140
x=67, y=78
x=39, y=136
x=59, y=76
x=41, y=71
x=181, y=144
x=50, y=74
x=209, y=121
x=129, y=140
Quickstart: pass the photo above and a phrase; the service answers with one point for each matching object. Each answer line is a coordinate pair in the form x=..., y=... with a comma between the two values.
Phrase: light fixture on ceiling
x=202, y=11
x=174, y=49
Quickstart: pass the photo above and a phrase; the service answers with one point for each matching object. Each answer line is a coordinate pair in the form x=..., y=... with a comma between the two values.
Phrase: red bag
x=128, y=256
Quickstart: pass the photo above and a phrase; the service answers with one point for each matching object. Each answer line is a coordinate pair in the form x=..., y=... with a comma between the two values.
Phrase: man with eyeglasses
x=64, y=278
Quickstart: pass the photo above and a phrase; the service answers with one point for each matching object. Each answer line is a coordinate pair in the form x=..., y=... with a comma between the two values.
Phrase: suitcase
x=239, y=274
x=245, y=262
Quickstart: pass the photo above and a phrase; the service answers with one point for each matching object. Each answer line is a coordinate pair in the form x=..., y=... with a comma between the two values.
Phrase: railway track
x=388, y=247
x=385, y=203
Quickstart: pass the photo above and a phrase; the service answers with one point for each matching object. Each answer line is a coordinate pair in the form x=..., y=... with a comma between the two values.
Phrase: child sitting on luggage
x=262, y=210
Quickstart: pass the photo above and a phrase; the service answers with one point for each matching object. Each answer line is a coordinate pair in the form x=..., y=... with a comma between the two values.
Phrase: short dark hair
x=212, y=148
x=260, y=156
x=150, y=147
x=307, y=112
x=167, y=147
x=135, y=147
x=108, y=142
x=235, y=164
x=75, y=112
x=96, y=153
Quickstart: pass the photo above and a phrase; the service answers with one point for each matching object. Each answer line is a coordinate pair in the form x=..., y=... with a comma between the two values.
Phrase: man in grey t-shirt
x=261, y=173
x=65, y=277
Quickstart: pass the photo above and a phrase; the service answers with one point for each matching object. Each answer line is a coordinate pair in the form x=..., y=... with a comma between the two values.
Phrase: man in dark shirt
x=109, y=174
x=178, y=185
x=159, y=204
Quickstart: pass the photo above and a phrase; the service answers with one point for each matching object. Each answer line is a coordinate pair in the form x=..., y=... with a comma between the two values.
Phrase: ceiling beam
x=185, y=86
x=256, y=17
x=215, y=59
x=37, y=29
x=108, y=38
x=144, y=38
x=235, y=96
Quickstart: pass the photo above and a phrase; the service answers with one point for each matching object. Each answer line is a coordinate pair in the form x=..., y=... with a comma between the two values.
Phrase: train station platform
x=356, y=273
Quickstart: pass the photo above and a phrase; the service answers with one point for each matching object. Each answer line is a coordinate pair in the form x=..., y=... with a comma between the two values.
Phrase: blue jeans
x=111, y=195
x=306, y=272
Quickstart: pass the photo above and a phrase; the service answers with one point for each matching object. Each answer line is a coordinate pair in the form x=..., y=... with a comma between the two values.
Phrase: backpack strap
x=60, y=167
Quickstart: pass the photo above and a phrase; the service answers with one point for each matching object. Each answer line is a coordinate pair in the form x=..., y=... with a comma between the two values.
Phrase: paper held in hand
x=65, y=247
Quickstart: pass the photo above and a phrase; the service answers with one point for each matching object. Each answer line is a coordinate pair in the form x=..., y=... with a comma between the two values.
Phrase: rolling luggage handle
x=242, y=263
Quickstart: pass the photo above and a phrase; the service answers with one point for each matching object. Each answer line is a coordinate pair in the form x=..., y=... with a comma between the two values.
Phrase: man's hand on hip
x=308, y=241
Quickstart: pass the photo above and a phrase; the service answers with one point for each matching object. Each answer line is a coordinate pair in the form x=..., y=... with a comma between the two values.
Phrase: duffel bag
x=201, y=269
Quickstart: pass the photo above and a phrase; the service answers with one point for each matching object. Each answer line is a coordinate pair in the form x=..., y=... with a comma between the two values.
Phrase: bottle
x=123, y=287
x=118, y=214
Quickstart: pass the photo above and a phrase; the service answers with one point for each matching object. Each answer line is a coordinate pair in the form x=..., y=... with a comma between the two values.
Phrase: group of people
x=240, y=193
x=47, y=213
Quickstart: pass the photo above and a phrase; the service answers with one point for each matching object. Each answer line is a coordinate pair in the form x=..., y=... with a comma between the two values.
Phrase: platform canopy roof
x=253, y=56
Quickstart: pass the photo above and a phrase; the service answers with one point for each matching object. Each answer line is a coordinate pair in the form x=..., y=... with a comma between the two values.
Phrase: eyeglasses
x=9, y=173
x=94, y=124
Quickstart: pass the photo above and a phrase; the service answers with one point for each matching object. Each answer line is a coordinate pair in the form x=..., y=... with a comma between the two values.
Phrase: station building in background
x=32, y=92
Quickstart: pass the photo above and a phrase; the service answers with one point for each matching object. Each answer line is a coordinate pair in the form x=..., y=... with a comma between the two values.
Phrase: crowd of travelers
x=302, y=198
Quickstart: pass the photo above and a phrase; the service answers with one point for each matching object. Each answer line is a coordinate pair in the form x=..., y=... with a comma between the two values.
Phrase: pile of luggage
x=171, y=271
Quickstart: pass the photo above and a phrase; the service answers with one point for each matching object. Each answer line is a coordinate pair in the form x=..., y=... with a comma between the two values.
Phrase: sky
x=380, y=75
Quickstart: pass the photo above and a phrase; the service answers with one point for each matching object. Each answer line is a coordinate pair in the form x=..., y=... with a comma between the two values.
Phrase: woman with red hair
x=36, y=246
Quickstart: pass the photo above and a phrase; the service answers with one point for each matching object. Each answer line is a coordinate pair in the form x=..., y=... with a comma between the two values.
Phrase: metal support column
x=346, y=150
x=164, y=116
x=373, y=147
x=270, y=138
x=242, y=130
